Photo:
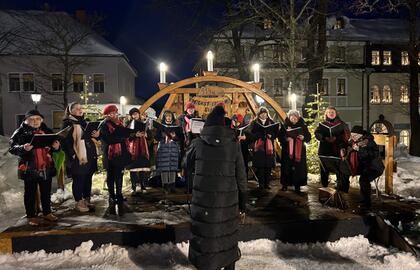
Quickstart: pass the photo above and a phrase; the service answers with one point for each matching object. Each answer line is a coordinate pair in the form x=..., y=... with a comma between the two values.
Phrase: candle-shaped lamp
x=163, y=68
x=256, y=69
x=210, y=57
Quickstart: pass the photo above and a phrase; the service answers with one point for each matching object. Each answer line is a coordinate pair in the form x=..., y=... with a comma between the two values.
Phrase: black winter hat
x=33, y=113
x=358, y=130
x=216, y=117
x=133, y=110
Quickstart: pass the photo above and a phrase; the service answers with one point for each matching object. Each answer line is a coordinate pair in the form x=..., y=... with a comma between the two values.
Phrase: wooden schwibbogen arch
x=243, y=90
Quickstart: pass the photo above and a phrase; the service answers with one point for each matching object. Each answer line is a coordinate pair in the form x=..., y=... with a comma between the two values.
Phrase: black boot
x=111, y=207
x=297, y=190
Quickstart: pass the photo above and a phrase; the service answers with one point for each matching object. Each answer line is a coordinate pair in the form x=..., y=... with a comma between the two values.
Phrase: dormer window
x=339, y=23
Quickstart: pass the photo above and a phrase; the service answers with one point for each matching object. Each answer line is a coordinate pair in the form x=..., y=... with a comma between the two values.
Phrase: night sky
x=148, y=32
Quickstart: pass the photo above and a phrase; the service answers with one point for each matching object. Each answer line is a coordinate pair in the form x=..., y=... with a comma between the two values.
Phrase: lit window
x=324, y=89
x=57, y=82
x=14, y=82
x=379, y=128
x=28, y=82
x=78, y=82
x=278, y=84
x=375, y=95
x=98, y=83
x=339, y=23
x=404, y=94
x=376, y=58
x=387, y=95
x=341, y=87
x=387, y=58
x=404, y=58
x=405, y=137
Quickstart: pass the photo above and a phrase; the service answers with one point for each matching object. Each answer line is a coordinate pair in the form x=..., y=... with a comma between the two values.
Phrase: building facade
x=105, y=76
x=365, y=73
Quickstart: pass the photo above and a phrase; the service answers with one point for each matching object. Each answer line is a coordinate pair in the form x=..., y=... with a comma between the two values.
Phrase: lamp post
x=210, y=57
x=123, y=102
x=256, y=69
x=163, y=68
x=36, y=98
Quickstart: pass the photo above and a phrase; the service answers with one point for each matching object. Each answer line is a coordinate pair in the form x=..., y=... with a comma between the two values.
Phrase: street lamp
x=256, y=69
x=163, y=68
x=36, y=98
x=210, y=57
x=123, y=102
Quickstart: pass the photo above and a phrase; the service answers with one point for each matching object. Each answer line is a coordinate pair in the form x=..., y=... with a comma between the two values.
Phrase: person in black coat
x=139, y=149
x=333, y=135
x=219, y=194
x=114, y=139
x=365, y=160
x=81, y=156
x=36, y=166
x=263, y=147
x=293, y=136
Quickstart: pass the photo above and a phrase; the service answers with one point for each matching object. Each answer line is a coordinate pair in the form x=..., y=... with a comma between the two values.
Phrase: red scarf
x=114, y=150
x=354, y=161
x=187, y=124
x=137, y=147
x=260, y=143
x=43, y=158
x=295, y=146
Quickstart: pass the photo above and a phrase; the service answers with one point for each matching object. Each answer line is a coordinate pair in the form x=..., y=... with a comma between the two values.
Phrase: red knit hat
x=109, y=109
x=189, y=105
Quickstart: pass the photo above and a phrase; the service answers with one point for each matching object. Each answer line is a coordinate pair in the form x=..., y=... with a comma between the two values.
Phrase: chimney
x=81, y=16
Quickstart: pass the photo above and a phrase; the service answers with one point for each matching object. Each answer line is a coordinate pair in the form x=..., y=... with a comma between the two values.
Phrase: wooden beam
x=251, y=103
x=254, y=88
x=168, y=104
x=389, y=164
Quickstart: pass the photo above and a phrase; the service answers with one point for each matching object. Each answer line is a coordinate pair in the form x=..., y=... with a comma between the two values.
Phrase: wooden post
x=389, y=164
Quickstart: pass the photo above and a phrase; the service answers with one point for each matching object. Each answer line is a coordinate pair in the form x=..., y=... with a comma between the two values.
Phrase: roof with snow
x=29, y=30
x=381, y=30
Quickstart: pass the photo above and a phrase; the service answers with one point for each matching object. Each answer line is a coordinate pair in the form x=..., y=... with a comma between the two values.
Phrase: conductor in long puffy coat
x=219, y=194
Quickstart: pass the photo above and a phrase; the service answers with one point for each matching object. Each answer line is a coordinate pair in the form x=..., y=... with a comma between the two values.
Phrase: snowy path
x=346, y=253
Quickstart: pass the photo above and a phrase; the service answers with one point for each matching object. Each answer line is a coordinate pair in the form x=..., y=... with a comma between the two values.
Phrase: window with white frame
x=341, y=87
x=324, y=87
x=278, y=85
x=78, y=83
x=14, y=82
x=405, y=137
x=278, y=53
x=376, y=58
x=404, y=98
x=387, y=58
x=387, y=95
x=405, y=61
x=375, y=95
x=28, y=82
x=98, y=83
x=57, y=82
x=341, y=54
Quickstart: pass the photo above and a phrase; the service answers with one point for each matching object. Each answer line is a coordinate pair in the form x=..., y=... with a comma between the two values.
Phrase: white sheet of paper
x=196, y=126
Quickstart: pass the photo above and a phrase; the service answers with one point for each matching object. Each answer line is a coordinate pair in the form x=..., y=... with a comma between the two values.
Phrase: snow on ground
x=11, y=188
x=346, y=253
